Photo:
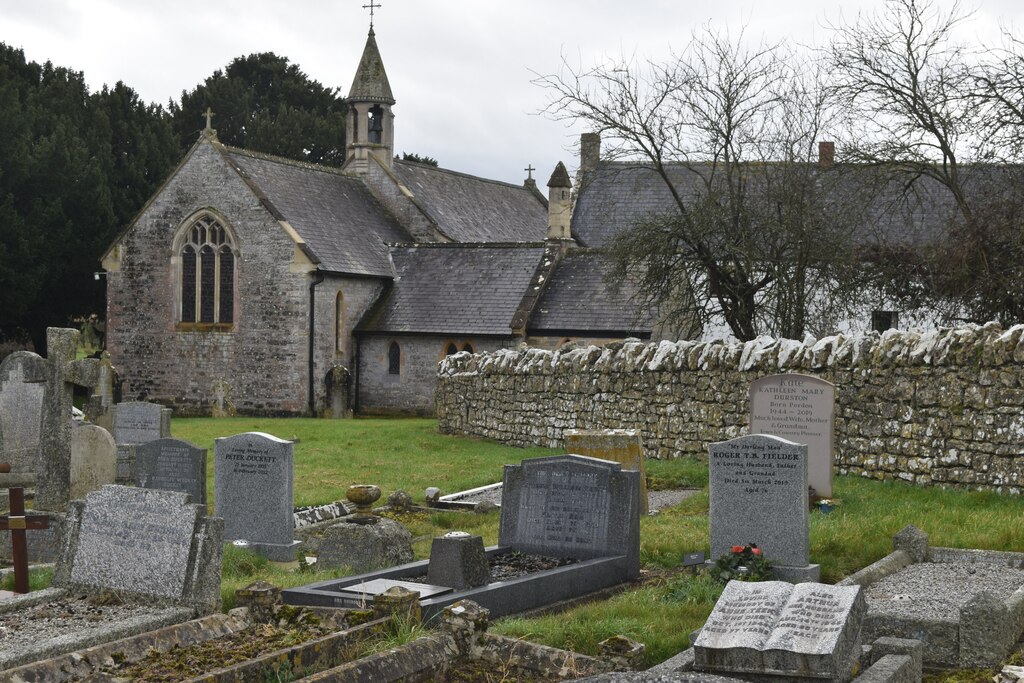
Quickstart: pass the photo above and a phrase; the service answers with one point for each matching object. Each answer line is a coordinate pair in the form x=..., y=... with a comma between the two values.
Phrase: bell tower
x=370, y=125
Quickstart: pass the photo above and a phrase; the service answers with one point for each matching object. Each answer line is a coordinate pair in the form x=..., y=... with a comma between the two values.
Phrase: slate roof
x=454, y=289
x=343, y=225
x=370, y=83
x=471, y=209
x=889, y=209
x=578, y=299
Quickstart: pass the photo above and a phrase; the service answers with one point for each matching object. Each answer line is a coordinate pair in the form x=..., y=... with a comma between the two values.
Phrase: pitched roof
x=471, y=209
x=371, y=81
x=341, y=222
x=454, y=289
x=889, y=206
x=579, y=298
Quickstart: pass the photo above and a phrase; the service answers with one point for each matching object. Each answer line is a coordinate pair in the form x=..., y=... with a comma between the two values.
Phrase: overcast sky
x=460, y=71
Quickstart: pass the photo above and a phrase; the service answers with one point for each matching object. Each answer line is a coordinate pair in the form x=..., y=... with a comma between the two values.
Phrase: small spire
x=560, y=177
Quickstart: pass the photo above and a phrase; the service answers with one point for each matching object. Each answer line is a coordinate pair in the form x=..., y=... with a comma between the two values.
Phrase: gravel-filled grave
x=937, y=590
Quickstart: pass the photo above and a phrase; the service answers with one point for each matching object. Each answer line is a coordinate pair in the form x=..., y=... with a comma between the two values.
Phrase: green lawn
x=410, y=455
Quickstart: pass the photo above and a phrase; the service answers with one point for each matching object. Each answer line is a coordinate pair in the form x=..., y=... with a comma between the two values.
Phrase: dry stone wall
x=941, y=407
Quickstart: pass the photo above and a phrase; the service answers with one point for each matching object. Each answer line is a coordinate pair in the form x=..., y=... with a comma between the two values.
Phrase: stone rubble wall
x=941, y=407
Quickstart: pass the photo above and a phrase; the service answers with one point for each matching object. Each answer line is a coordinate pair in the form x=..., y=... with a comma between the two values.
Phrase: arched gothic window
x=394, y=359
x=207, y=283
x=451, y=349
x=468, y=347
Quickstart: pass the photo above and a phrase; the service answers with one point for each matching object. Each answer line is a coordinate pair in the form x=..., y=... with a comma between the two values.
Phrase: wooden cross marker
x=529, y=171
x=371, y=7
x=17, y=522
x=209, y=115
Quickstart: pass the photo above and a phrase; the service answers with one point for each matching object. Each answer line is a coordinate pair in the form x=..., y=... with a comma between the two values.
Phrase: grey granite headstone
x=772, y=627
x=800, y=408
x=144, y=543
x=254, y=492
x=458, y=560
x=21, y=410
x=140, y=422
x=759, y=495
x=172, y=465
x=571, y=506
x=93, y=459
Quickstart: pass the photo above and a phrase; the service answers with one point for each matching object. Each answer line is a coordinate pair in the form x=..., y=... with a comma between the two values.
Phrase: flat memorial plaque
x=799, y=408
x=378, y=586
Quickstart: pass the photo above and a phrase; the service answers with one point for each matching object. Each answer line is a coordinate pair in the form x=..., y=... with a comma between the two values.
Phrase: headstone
x=99, y=409
x=93, y=459
x=458, y=560
x=143, y=543
x=172, y=465
x=775, y=628
x=800, y=408
x=571, y=506
x=759, y=495
x=137, y=422
x=254, y=492
x=623, y=446
x=362, y=547
x=21, y=410
x=60, y=373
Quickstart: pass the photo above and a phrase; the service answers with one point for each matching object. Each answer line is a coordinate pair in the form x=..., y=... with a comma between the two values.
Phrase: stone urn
x=363, y=496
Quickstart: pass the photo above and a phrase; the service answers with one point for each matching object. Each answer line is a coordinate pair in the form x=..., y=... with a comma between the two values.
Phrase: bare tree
x=928, y=118
x=730, y=132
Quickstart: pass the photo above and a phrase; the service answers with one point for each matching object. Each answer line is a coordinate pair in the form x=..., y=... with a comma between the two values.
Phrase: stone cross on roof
x=60, y=372
x=209, y=115
x=371, y=7
x=529, y=171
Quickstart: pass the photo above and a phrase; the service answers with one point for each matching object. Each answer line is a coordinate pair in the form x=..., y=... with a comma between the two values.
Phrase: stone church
x=252, y=284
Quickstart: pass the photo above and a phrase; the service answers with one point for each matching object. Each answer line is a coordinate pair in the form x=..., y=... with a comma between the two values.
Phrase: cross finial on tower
x=529, y=171
x=371, y=7
x=209, y=115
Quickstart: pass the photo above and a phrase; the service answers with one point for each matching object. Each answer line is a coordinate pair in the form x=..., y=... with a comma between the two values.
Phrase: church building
x=253, y=284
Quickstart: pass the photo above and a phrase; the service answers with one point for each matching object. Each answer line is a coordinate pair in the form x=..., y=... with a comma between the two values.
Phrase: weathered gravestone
x=571, y=506
x=21, y=410
x=100, y=406
x=172, y=465
x=93, y=459
x=623, y=446
x=759, y=495
x=775, y=628
x=254, y=492
x=800, y=408
x=155, y=550
x=137, y=422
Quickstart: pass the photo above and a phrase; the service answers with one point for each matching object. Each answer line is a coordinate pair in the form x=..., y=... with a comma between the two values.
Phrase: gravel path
x=656, y=500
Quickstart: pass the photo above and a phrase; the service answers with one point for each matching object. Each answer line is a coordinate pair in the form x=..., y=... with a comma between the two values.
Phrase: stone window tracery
x=207, y=273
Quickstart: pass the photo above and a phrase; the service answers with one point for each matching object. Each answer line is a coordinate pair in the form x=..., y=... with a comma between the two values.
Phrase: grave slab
x=759, y=495
x=254, y=482
x=172, y=465
x=800, y=408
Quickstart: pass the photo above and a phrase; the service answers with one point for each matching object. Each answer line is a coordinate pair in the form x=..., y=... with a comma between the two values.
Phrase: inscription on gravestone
x=571, y=506
x=139, y=422
x=135, y=540
x=758, y=489
x=799, y=408
x=172, y=465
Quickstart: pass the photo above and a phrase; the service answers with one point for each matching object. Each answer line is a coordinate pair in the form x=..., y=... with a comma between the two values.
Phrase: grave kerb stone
x=758, y=492
x=800, y=408
x=172, y=465
x=571, y=506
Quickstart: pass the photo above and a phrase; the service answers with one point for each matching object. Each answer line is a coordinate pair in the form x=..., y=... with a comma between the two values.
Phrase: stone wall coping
x=979, y=345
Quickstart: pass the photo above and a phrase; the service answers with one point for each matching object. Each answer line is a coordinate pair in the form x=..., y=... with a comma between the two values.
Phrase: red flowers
x=752, y=548
x=737, y=549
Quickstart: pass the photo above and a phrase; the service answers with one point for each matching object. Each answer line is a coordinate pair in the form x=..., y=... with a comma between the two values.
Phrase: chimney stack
x=826, y=154
x=590, y=151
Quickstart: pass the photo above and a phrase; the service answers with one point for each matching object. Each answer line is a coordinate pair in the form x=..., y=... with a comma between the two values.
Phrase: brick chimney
x=826, y=154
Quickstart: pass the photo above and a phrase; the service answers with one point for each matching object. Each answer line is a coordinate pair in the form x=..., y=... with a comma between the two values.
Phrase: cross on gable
x=529, y=171
x=17, y=522
x=60, y=372
x=371, y=7
x=209, y=115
